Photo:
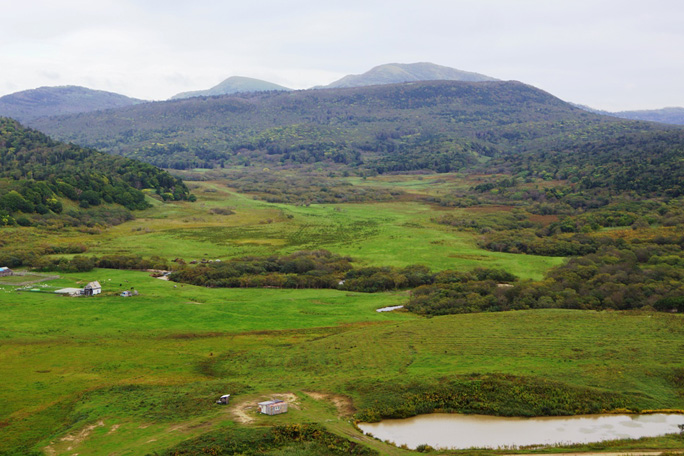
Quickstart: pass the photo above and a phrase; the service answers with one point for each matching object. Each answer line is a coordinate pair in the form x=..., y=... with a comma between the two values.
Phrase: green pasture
x=140, y=374
x=391, y=234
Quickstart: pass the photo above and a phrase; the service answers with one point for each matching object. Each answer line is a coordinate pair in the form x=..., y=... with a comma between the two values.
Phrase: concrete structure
x=274, y=407
x=70, y=291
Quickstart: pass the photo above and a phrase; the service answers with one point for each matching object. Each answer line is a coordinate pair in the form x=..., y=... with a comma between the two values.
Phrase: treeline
x=305, y=188
x=285, y=439
x=80, y=263
x=640, y=275
x=38, y=171
x=318, y=269
x=47, y=259
x=305, y=269
x=633, y=158
x=488, y=394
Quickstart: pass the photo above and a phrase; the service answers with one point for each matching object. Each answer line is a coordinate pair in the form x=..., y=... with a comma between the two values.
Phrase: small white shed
x=274, y=407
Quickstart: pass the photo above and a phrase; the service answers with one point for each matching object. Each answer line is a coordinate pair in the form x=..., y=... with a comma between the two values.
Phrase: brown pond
x=441, y=430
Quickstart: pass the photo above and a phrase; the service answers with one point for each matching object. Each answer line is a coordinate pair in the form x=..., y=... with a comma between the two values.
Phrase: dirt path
x=74, y=439
x=343, y=404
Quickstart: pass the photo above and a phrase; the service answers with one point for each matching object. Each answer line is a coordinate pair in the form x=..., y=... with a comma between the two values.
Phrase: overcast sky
x=608, y=54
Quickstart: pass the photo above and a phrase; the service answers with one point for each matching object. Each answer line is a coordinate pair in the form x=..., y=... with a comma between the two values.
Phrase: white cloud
x=606, y=53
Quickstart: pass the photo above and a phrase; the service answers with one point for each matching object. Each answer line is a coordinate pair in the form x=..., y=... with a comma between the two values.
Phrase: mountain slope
x=439, y=125
x=52, y=101
x=394, y=73
x=234, y=84
x=35, y=171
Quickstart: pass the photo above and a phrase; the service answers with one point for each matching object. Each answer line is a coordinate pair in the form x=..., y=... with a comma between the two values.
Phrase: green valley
x=532, y=253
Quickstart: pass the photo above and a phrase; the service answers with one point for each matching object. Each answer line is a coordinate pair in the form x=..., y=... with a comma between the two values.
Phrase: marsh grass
x=150, y=367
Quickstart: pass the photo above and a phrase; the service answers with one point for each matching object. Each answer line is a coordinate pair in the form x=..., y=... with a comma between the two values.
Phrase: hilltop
x=52, y=101
x=39, y=176
x=393, y=73
x=234, y=84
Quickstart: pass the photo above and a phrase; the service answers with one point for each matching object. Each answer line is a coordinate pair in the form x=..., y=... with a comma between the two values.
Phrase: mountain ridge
x=47, y=101
x=392, y=73
x=349, y=125
x=232, y=85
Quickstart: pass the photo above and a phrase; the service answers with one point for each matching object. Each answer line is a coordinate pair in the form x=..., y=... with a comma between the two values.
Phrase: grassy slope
x=158, y=360
x=136, y=375
x=395, y=234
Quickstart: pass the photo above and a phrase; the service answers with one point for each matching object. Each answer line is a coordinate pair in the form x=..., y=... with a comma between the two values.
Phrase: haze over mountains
x=234, y=84
x=394, y=73
x=391, y=73
x=666, y=115
x=27, y=105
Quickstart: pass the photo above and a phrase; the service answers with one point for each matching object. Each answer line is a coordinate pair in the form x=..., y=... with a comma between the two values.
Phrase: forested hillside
x=440, y=126
x=37, y=172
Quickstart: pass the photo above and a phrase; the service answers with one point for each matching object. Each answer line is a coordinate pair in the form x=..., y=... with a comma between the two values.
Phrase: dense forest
x=38, y=173
x=439, y=126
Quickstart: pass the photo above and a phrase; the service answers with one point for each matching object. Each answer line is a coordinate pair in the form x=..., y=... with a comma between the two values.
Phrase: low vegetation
x=542, y=279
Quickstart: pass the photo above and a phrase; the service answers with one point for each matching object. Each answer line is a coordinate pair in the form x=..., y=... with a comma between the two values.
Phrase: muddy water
x=441, y=430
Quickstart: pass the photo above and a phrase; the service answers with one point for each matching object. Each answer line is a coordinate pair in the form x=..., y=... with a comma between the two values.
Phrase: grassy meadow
x=382, y=234
x=138, y=375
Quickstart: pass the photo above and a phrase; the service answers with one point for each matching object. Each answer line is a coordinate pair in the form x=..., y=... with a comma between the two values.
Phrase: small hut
x=92, y=289
x=223, y=400
x=5, y=271
x=274, y=407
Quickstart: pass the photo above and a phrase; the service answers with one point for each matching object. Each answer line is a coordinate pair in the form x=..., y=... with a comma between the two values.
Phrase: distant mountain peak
x=52, y=101
x=234, y=84
x=393, y=73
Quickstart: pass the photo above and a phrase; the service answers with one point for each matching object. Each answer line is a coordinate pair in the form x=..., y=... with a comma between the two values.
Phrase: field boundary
x=43, y=278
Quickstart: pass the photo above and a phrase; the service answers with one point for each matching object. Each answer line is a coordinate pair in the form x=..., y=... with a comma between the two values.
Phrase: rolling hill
x=439, y=125
x=234, y=84
x=52, y=101
x=393, y=73
x=37, y=174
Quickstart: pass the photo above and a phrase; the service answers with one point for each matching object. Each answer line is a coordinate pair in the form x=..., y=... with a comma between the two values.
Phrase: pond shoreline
x=458, y=432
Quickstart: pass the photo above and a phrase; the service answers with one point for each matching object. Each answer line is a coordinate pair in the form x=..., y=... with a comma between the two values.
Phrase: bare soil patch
x=74, y=439
x=343, y=404
x=245, y=411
